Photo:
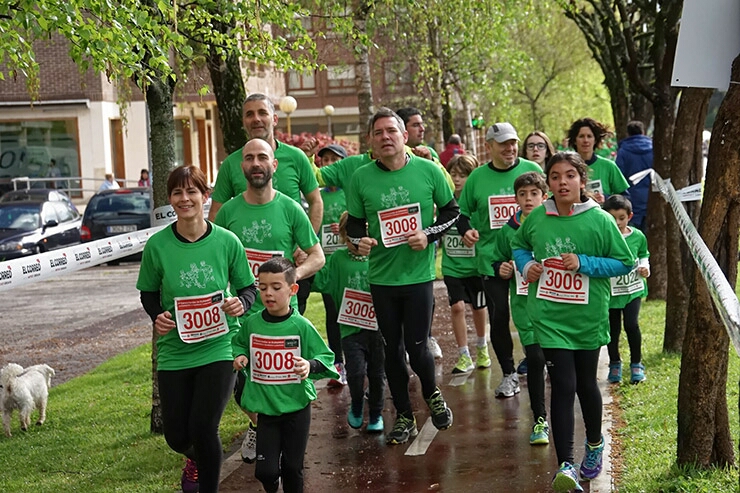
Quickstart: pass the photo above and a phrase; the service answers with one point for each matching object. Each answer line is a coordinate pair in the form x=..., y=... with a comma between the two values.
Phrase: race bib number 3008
x=272, y=359
x=500, y=209
x=396, y=223
x=258, y=257
x=200, y=317
x=560, y=285
x=357, y=310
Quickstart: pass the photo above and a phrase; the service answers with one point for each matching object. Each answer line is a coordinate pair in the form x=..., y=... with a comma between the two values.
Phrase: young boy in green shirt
x=279, y=349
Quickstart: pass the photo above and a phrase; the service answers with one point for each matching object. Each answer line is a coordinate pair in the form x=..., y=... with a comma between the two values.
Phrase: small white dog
x=24, y=390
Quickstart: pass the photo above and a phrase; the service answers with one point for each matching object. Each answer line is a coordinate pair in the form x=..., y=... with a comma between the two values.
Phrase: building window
x=301, y=83
x=341, y=78
x=397, y=76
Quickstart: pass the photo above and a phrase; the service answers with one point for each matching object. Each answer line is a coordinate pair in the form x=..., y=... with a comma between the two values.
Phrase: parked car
x=33, y=226
x=114, y=212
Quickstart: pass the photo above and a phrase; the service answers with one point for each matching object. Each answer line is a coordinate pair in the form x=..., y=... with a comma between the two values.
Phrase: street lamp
x=329, y=110
x=288, y=105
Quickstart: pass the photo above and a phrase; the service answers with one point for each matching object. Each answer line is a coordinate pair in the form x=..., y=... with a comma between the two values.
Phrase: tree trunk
x=363, y=82
x=228, y=87
x=162, y=143
x=703, y=427
x=435, y=85
x=689, y=125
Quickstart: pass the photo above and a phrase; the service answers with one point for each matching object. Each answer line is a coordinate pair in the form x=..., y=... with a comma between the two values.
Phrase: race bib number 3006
x=200, y=317
x=560, y=285
x=272, y=359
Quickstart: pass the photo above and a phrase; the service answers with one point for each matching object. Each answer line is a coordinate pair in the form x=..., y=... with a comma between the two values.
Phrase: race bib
x=200, y=317
x=560, y=285
x=522, y=285
x=500, y=209
x=594, y=186
x=357, y=310
x=272, y=359
x=258, y=257
x=454, y=246
x=329, y=240
x=396, y=223
x=627, y=284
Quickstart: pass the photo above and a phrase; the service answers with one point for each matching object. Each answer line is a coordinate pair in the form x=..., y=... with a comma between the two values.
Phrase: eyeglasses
x=541, y=146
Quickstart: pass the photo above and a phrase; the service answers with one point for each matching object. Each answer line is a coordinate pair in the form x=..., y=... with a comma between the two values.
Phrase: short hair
x=617, y=202
x=598, y=129
x=407, y=112
x=186, y=175
x=454, y=139
x=534, y=178
x=53, y=161
x=464, y=163
x=575, y=160
x=542, y=135
x=258, y=96
x=635, y=127
x=386, y=113
x=277, y=265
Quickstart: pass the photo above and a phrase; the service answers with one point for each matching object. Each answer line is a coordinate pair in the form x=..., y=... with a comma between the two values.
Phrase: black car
x=32, y=226
x=115, y=212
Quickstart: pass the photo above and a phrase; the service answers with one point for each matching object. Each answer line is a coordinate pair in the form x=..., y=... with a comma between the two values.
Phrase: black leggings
x=631, y=328
x=332, y=328
x=404, y=315
x=571, y=373
x=281, y=445
x=193, y=401
x=497, y=301
x=536, y=380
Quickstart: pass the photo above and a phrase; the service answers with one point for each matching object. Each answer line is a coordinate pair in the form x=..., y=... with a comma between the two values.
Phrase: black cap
x=335, y=148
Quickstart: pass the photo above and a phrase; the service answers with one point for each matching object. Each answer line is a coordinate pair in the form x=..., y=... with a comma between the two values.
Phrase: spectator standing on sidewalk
x=635, y=154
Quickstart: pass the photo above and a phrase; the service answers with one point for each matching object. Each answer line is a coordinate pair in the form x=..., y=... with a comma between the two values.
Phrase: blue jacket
x=635, y=154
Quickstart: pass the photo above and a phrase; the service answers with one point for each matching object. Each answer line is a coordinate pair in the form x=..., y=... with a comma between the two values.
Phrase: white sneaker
x=509, y=386
x=434, y=347
x=249, y=445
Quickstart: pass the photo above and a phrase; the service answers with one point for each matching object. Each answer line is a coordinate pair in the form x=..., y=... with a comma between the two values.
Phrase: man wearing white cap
x=486, y=204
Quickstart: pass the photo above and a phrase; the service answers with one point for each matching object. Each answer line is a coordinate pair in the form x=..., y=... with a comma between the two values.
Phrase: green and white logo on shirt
x=395, y=197
x=257, y=232
x=197, y=276
x=559, y=247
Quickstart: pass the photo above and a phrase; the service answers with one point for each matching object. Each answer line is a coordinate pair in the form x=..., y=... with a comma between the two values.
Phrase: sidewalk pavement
x=486, y=449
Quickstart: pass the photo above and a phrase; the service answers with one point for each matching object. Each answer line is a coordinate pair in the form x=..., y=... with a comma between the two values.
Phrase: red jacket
x=450, y=151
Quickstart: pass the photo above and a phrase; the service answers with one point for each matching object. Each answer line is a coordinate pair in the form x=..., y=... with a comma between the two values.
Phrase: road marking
x=423, y=439
x=459, y=379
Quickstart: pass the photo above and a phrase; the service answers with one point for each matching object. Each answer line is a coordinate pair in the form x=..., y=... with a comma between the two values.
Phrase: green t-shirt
x=335, y=203
x=517, y=301
x=275, y=400
x=179, y=269
x=339, y=174
x=294, y=175
x=458, y=260
x=488, y=200
x=611, y=178
x=592, y=232
x=412, y=192
x=638, y=246
x=342, y=270
x=267, y=230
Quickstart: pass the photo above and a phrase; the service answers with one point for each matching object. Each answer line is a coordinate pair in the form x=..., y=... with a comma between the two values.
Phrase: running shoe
x=540, y=433
x=354, y=420
x=403, y=429
x=509, y=386
x=522, y=367
x=441, y=414
x=249, y=445
x=342, y=380
x=376, y=425
x=566, y=479
x=482, y=358
x=464, y=364
x=638, y=373
x=615, y=372
x=434, y=347
x=592, y=460
x=189, y=479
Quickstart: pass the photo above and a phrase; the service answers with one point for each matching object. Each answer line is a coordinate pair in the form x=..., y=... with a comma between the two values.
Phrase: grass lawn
x=96, y=437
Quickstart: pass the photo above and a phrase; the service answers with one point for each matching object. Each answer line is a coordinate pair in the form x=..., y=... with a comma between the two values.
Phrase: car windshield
x=20, y=216
x=120, y=203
